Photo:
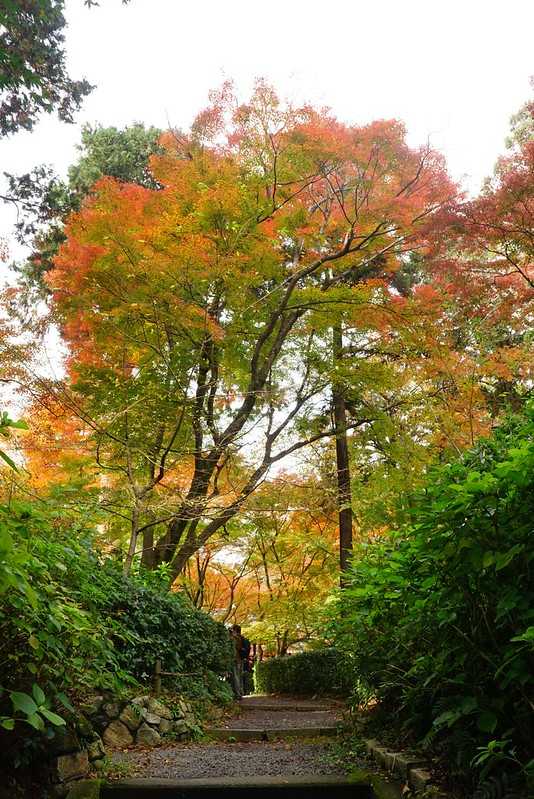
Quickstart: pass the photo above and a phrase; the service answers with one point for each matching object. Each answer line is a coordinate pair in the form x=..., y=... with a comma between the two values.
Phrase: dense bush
x=320, y=671
x=150, y=624
x=438, y=617
x=71, y=620
x=49, y=633
x=71, y=623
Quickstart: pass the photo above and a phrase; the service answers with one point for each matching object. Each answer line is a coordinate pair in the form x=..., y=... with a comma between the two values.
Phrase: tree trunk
x=130, y=555
x=344, y=492
x=148, y=559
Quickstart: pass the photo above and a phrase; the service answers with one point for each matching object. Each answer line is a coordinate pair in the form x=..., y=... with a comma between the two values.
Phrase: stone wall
x=103, y=723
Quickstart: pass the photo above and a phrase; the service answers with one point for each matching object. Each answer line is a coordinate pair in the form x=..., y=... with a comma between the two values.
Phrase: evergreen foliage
x=72, y=622
x=320, y=671
x=33, y=73
x=438, y=617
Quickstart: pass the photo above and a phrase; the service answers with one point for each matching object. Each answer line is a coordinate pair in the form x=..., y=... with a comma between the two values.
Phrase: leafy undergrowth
x=72, y=625
x=438, y=617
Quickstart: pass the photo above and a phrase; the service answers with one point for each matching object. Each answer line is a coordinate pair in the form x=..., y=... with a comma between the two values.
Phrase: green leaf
x=528, y=635
x=38, y=694
x=8, y=460
x=23, y=702
x=7, y=723
x=20, y=425
x=502, y=559
x=468, y=704
x=53, y=717
x=36, y=722
x=487, y=721
x=449, y=717
x=63, y=698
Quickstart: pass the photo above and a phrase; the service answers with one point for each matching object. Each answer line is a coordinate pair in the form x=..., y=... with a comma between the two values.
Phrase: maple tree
x=270, y=220
x=44, y=200
x=490, y=236
x=497, y=227
x=55, y=451
x=275, y=568
x=482, y=265
x=293, y=564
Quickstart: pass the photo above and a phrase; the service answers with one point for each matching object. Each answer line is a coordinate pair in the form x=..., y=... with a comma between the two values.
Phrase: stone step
x=244, y=735
x=244, y=705
x=302, y=787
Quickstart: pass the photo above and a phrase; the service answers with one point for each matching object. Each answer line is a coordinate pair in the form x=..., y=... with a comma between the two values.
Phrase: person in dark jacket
x=241, y=658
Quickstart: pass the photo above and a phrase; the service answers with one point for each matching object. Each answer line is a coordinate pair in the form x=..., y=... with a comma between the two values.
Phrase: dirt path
x=243, y=759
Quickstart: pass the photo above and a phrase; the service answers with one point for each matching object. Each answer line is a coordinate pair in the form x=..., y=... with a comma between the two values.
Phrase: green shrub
x=320, y=671
x=71, y=620
x=49, y=633
x=148, y=624
x=71, y=623
x=438, y=618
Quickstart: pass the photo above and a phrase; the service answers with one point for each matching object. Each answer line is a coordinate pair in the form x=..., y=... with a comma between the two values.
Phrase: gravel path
x=255, y=758
x=289, y=702
x=194, y=761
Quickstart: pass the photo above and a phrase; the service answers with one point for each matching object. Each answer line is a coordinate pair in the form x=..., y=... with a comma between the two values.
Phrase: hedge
x=320, y=671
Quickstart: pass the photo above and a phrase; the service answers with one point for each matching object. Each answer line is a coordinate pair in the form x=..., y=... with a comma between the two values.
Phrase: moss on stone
x=382, y=789
x=85, y=789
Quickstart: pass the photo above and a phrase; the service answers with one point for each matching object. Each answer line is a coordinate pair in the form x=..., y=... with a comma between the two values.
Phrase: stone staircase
x=267, y=719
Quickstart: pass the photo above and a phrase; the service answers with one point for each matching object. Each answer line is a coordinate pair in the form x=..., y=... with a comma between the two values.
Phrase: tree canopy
x=33, y=75
x=183, y=305
x=293, y=350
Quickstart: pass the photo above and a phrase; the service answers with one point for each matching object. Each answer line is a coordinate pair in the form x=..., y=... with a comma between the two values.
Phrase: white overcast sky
x=453, y=70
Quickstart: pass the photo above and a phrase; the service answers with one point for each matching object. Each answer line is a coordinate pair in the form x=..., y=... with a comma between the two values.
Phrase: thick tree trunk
x=342, y=459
